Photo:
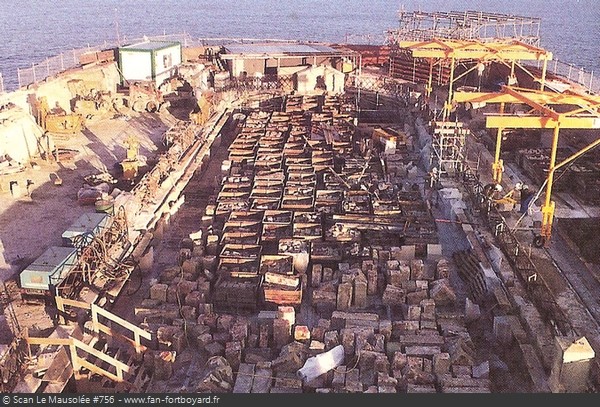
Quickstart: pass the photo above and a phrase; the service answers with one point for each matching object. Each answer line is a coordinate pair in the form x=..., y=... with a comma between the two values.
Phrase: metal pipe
x=497, y=165
x=465, y=73
x=430, y=79
x=576, y=155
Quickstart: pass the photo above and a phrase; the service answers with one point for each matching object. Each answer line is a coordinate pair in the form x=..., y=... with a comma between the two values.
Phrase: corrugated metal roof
x=280, y=48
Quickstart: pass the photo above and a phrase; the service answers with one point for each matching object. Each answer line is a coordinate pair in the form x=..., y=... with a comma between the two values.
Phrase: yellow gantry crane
x=453, y=50
x=578, y=111
x=509, y=52
x=585, y=113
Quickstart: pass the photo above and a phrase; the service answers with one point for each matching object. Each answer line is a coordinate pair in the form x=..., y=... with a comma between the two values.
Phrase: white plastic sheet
x=322, y=363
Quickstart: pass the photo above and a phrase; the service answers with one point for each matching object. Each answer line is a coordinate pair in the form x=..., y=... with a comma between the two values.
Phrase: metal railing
x=574, y=73
x=52, y=66
x=69, y=59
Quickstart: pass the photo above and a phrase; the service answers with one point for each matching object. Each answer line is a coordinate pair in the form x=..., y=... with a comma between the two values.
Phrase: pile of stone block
x=412, y=349
x=180, y=292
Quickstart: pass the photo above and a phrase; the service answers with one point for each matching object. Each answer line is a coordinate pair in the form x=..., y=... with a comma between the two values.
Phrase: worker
x=29, y=187
x=433, y=186
x=492, y=191
x=58, y=110
x=515, y=193
x=526, y=198
x=434, y=178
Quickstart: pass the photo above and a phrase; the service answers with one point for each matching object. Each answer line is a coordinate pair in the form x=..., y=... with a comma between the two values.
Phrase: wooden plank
x=95, y=369
x=49, y=341
x=72, y=303
x=280, y=279
x=120, y=336
x=108, y=359
x=121, y=321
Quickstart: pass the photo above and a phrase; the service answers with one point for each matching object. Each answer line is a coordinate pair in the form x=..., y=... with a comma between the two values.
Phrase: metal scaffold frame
x=465, y=25
x=449, y=146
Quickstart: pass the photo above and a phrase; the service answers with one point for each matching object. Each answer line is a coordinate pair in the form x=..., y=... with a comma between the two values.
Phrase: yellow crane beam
x=585, y=116
x=547, y=98
x=507, y=121
x=482, y=51
x=512, y=94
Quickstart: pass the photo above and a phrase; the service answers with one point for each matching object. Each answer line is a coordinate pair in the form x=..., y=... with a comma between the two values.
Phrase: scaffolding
x=488, y=33
x=464, y=25
x=449, y=146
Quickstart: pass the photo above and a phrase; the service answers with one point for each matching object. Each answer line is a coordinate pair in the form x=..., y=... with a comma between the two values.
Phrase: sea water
x=33, y=30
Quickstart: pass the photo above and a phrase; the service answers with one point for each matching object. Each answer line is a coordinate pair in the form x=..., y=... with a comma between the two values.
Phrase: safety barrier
x=574, y=74
x=69, y=59
x=51, y=66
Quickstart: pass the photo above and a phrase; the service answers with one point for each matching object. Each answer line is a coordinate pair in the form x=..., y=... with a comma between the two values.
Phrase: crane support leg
x=549, y=205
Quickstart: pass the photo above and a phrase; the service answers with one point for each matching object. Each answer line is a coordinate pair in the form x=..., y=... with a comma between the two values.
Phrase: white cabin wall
x=166, y=62
x=136, y=65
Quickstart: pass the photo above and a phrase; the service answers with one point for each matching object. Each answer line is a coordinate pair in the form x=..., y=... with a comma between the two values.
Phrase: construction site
x=289, y=217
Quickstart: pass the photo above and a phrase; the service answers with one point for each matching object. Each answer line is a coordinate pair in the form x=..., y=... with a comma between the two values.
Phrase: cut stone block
x=159, y=292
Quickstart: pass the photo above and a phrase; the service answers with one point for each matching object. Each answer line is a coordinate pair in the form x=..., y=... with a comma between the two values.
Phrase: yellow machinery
x=131, y=164
x=57, y=120
x=584, y=114
x=202, y=113
x=139, y=96
x=88, y=100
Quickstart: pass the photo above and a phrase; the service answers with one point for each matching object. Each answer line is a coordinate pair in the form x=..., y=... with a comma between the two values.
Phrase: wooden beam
x=98, y=370
x=107, y=330
x=95, y=352
x=126, y=324
x=48, y=341
x=72, y=303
